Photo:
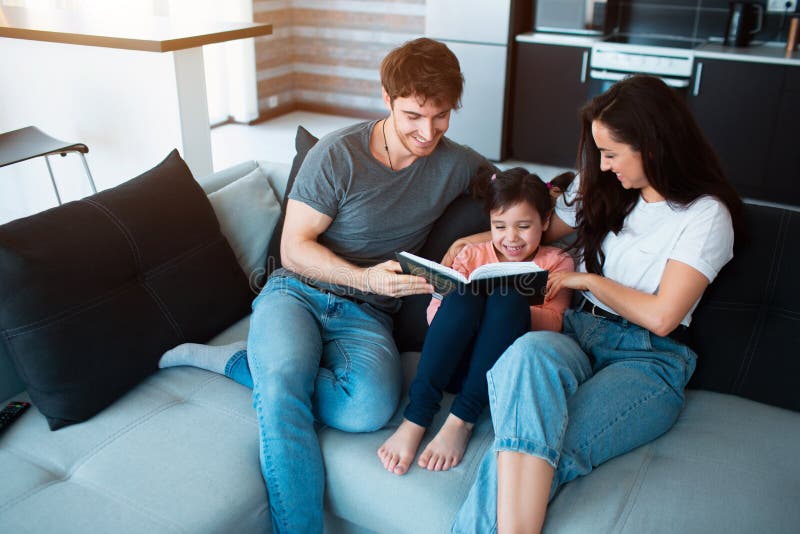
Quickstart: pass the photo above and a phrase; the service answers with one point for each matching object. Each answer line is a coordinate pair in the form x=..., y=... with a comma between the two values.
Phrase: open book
x=524, y=277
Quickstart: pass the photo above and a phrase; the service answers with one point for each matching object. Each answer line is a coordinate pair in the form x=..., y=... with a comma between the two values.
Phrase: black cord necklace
x=386, y=145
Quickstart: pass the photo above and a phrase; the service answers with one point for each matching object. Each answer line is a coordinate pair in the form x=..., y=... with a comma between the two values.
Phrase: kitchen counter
x=562, y=39
x=765, y=53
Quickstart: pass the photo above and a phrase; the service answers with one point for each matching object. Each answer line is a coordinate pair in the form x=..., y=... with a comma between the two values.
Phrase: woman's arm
x=681, y=286
x=558, y=229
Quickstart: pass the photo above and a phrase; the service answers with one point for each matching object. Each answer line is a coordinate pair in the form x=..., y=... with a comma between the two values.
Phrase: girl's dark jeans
x=468, y=334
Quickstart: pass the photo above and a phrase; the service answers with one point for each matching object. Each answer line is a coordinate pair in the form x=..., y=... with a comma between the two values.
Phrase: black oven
x=620, y=55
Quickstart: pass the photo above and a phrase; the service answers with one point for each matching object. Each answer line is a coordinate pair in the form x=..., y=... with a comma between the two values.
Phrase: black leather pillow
x=464, y=216
x=746, y=329
x=303, y=142
x=94, y=291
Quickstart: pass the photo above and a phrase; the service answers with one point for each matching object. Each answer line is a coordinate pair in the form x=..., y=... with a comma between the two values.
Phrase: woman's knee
x=544, y=349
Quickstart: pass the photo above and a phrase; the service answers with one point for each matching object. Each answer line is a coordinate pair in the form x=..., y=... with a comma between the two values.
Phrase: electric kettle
x=744, y=20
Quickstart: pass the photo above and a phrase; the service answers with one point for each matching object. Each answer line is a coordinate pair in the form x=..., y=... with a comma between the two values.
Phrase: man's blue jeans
x=312, y=356
x=576, y=400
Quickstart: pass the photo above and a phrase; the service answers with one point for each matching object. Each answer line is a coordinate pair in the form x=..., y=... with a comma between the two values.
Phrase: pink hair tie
x=549, y=185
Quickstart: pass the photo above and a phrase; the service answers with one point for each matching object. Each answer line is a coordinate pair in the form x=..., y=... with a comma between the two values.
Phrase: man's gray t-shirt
x=376, y=211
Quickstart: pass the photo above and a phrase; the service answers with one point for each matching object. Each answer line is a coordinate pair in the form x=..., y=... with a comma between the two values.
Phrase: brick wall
x=324, y=55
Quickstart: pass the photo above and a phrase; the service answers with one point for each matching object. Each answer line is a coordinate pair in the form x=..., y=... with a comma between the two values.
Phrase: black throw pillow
x=464, y=216
x=94, y=291
x=303, y=142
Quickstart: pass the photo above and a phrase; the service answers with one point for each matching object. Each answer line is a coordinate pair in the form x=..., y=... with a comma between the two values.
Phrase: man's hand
x=387, y=279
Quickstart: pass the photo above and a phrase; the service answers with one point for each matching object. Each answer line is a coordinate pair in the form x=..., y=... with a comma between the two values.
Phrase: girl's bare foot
x=399, y=450
x=447, y=449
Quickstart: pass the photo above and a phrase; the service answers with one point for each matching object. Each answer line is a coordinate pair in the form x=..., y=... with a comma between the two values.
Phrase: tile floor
x=273, y=140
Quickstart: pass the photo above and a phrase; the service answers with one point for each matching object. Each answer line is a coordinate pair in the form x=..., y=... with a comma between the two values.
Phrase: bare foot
x=399, y=450
x=447, y=448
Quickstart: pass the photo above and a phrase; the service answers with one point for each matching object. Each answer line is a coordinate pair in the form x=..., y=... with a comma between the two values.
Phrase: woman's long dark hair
x=643, y=112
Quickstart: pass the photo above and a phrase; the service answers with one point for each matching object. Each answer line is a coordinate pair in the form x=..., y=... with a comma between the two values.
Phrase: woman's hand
x=387, y=279
x=570, y=280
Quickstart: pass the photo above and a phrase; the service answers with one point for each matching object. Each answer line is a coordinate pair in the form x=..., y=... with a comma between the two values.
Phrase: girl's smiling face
x=517, y=231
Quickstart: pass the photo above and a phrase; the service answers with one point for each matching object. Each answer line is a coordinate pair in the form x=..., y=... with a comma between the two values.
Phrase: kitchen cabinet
x=737, y=105
x=549, y=90
x=783, y=169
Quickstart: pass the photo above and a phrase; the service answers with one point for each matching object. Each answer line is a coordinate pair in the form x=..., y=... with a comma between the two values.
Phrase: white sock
x=210, y=357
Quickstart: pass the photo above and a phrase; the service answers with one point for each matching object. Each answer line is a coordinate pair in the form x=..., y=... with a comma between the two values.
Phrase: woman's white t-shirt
x=699, y=235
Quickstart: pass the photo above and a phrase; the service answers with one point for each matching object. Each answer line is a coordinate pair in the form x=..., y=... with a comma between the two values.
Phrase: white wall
x=121, y=103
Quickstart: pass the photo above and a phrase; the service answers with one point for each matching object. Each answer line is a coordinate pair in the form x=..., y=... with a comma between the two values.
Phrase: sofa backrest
x=277, y=174
x=746, y=329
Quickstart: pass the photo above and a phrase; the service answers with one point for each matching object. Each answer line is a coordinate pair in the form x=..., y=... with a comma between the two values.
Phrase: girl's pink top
x=547, y=316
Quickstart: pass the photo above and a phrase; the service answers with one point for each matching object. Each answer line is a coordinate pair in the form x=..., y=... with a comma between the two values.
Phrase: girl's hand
x=387, y=278
x=570, y=280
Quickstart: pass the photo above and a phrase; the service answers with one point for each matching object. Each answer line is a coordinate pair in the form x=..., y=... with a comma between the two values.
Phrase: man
x=320, y=345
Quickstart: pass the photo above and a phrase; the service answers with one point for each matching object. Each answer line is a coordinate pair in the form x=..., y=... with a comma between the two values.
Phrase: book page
x=504, y=268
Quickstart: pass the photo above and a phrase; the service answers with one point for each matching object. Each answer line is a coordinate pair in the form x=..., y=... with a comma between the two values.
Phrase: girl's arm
x=681, y=286
x=550, y=314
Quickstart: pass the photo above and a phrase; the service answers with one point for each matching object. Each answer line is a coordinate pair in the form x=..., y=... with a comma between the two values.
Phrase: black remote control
x=11, y=412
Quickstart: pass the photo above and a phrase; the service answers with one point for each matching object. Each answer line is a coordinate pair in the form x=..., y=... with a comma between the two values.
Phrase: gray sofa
x=179, y=452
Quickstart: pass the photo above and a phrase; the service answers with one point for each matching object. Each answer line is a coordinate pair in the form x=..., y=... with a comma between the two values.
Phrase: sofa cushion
x=303, y=142
x=94, y=291
x=247, y=211
x=464, y=216
x=708, y=474
x=748, y=322
x=178, y=453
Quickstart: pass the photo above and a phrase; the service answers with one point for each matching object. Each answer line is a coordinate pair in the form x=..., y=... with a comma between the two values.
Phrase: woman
x=655, y=221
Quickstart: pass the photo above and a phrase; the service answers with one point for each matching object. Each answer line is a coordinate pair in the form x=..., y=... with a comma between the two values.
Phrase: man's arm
x=303, y=254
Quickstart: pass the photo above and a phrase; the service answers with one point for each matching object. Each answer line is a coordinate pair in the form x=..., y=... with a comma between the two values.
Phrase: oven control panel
x=627, y=58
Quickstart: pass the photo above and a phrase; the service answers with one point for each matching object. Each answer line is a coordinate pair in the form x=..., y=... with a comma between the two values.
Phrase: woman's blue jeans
x=312, y=356
x=576, y=400
x=466, y=337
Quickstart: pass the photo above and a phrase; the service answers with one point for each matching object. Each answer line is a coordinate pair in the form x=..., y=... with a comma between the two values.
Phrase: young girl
x=470, y=331
x=655, y=220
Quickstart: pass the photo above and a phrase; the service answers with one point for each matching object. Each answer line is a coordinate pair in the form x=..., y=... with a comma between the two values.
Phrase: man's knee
x=365, y=409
